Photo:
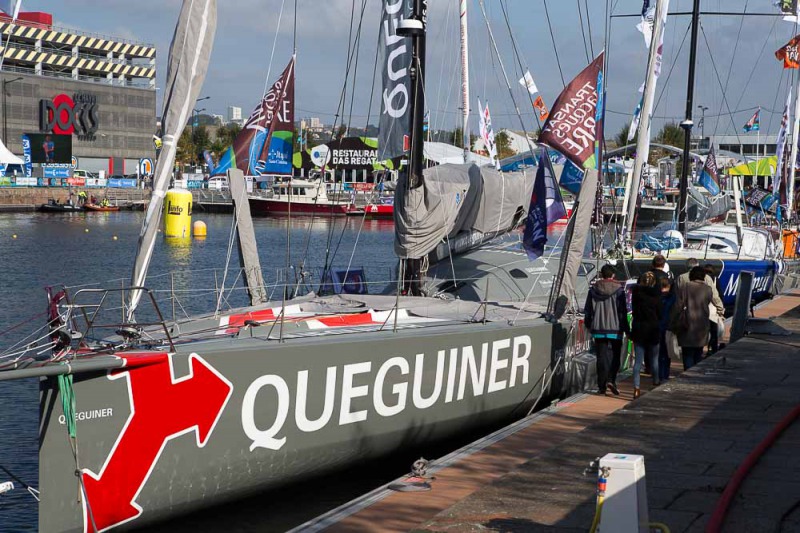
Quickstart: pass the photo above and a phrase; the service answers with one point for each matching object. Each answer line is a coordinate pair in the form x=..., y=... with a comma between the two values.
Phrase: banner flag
x=787, y=7
x=778, y=184
x=754, y=123
x=534, y=236
x=528, y=83
x=395, y=57
x=487, y=133
x=556, y=210
x=647, y=22
x=572, y=125
x=709, y=177
x=540, y=106
x=26, y=155
x=264, y=146
x=789, y=53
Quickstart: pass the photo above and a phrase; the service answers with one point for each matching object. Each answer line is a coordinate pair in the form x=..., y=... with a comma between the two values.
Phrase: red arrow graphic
x=161, y=409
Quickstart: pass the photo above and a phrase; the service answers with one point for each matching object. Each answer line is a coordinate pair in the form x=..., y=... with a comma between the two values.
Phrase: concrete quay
x=27, y=199
x=694, y=432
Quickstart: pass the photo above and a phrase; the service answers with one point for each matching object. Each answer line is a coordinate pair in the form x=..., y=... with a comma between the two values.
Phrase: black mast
x=687, y=123
x=415, y=27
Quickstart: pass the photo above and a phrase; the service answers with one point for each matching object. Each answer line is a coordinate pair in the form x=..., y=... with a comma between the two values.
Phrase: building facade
x=100, y=90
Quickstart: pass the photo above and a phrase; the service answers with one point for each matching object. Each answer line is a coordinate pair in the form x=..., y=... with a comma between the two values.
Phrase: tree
x=503, y=143
x=671, y=134
x=621, y=138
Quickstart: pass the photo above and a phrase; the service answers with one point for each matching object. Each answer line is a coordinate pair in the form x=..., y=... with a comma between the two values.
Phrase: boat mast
x=415, y=28
x=643, y=141
x=464, y=80
x=687, y=123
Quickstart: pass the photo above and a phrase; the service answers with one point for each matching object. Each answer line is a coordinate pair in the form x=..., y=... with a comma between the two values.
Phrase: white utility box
x=625, y=503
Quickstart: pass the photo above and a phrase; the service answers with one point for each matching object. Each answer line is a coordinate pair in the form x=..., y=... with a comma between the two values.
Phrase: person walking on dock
x=660, y=268
x=646, y=304
x=690, y=320
x=606, y=315
x=717, y=309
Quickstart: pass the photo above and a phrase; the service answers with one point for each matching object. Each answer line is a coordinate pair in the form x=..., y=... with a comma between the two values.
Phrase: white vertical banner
x=487, y=133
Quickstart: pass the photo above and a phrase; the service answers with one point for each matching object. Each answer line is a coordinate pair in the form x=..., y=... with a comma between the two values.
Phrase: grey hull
x=225, y=418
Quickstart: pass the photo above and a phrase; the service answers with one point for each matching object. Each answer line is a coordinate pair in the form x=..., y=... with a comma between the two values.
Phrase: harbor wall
x=20, y=199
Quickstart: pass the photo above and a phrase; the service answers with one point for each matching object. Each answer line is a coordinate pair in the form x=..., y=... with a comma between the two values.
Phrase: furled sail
x=395, y=57
x=458, y=208
x=264, y=146
x=188, y=62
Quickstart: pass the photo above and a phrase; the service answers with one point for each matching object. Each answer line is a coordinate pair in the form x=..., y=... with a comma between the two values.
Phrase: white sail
x=188, y=63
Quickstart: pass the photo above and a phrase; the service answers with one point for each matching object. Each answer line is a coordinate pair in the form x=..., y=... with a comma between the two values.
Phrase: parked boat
x=383, y=208
x=301, y=197
x=99, y=208
x=56, y=207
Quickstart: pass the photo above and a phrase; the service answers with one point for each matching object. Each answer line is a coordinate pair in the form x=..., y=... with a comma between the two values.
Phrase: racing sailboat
x=144, y=418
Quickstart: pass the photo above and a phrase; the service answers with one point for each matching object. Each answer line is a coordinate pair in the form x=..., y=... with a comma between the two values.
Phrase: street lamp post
x=195, y=113
x=702, y=109
x=5, y=117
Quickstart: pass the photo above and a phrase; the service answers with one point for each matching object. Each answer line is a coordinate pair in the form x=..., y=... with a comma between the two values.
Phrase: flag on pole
x=789, y=53
x=487, y=133
x=754, y=123
x=637, y=115
x=647, y=22
x=709, y=178
x=553, y=200
x=540, y=106
x=778, y=184
x=528, y=83
x=534, y=237
x=572, y=125
x=11, y=8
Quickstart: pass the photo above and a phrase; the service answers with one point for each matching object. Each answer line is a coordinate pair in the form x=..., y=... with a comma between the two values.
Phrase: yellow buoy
x=86, y=230
x=177, y=213
x=14, y=236
x=199, y=229
x=115, y=237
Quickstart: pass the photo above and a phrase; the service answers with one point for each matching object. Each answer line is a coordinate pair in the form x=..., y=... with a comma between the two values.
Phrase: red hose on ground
x=721, y=510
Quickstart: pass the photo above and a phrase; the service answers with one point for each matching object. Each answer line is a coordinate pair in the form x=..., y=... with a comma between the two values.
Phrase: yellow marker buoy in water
x=199, y=229
x=86, y=230
x=177, y=213
x=115, y=237
x=14, y=236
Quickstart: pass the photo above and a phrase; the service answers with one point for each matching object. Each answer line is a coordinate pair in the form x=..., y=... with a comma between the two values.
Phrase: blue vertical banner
x=534, y=237
x=26, y=154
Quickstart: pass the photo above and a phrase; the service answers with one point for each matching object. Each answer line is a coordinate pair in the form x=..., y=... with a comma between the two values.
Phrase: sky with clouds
x=734, y=52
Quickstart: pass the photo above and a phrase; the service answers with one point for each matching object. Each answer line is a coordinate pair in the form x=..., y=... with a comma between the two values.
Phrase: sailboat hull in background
x=267, y=206
x=222, y=419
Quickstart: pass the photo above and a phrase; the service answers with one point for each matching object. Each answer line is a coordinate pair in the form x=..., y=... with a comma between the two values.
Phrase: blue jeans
x=651, y=352
x=691, y=356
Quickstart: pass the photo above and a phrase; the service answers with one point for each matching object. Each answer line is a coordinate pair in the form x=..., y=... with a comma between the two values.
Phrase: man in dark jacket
x=606, y=316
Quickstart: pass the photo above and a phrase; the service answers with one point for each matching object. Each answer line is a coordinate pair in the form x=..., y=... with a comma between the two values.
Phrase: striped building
x=42, y=61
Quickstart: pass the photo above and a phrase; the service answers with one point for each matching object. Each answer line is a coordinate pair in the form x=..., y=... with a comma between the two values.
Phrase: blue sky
x=247, y=28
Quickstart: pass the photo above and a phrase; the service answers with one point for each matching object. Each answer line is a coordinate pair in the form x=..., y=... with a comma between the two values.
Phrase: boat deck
x=693, y=431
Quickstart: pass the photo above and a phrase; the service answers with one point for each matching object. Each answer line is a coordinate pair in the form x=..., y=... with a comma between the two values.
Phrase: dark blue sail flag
x=709, y=178
x=553, y=200
x=535, y=236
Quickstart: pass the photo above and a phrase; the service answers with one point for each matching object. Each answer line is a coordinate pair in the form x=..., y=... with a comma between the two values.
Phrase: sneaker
x=613, y=388
x=636, y=393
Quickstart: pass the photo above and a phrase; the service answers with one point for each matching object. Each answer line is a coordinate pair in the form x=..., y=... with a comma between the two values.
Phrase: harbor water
x=40, y=250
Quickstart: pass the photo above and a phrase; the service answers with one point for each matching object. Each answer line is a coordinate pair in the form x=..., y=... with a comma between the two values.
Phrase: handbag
x=679, y=322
